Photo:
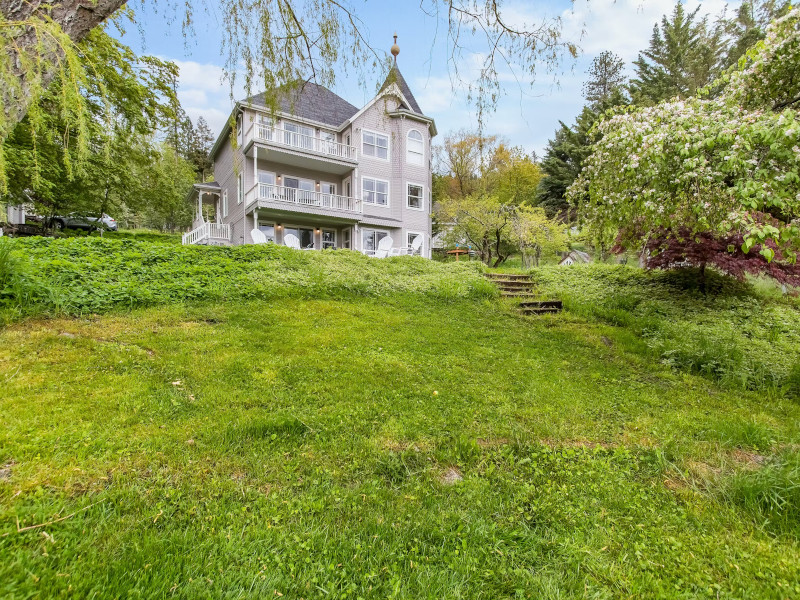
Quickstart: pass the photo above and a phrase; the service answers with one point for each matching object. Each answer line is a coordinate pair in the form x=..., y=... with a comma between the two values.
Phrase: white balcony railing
x=291, y=139
x=279, y=193
x=208, y=231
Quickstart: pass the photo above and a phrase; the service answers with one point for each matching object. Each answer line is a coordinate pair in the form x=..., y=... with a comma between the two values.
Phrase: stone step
x=540, y=311
x=554, y=304
x=507, y=276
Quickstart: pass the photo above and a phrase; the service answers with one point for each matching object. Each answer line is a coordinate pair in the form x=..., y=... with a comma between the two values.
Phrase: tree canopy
x=274, y=44
x=724, y=167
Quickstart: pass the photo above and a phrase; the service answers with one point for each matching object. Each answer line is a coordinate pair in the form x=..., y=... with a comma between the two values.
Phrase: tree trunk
x=75, y=17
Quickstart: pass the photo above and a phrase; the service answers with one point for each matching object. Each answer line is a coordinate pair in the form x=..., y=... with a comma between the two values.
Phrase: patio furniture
x=384, y=247
x=258, y=236
x=292, y=241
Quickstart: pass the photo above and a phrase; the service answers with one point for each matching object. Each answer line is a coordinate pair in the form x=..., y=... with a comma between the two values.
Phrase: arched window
x=415, y=148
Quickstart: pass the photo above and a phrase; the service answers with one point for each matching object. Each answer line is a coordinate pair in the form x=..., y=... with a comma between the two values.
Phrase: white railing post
x=278, y=193
x=292, y=139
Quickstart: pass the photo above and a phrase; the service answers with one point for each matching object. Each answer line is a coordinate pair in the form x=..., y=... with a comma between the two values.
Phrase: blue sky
x=526, y=115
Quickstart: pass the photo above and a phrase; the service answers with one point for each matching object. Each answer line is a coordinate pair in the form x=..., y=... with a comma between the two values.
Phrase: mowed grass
x=374, y=448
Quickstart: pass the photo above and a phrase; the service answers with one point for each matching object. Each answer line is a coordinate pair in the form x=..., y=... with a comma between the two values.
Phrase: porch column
x=200, y=207
x=218, y=209
x=255, y=169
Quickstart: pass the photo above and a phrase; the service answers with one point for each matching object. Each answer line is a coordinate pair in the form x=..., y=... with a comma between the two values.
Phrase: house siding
x=397, y=219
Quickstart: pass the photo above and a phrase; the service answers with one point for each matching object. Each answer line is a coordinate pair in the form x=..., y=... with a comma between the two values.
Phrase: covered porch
x=314, y=232
x=207, y=226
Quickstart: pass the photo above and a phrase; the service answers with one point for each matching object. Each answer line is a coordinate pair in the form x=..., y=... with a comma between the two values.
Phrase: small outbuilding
x=575, y=257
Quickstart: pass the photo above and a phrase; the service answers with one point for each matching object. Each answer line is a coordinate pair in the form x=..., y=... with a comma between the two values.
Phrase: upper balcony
x=300, y=150
x=276, y=197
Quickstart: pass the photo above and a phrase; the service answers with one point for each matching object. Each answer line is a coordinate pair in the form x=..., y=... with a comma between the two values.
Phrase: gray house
x=331, y=174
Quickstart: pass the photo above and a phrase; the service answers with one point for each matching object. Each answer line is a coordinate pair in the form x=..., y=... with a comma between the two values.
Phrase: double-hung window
x=375, y=144
x=415, y=148
x=415, y=195
x=375, y=191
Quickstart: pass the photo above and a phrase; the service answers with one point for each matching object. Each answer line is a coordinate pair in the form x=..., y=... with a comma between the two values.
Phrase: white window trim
x=421, y=198
x=388, y=192
x=269, y=223
x=335, y=187
x=274, y=176
x=313, y=228
x=388, y=137
x=345, y=181
x=364, y=230
x=421, y=163
x=408, y=245
x=240, y=188
x=224, y=203
x=322, y=231
x=299, y=179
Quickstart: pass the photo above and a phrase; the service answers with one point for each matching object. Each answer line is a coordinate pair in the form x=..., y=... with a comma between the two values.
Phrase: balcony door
x=266, y=184
x=298, y=136
x=299, y=190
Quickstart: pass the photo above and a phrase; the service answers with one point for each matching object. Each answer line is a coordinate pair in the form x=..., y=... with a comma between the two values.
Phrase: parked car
x=79, y=221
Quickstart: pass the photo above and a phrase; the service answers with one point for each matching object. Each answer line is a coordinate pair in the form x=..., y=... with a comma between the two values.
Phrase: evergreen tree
x=684, y=55
x=748, y=25
x=202, y=140
x=605, y=77
x=565, y=153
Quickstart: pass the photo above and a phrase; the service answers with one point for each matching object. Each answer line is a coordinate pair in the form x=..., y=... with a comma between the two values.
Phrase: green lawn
x=375, y=447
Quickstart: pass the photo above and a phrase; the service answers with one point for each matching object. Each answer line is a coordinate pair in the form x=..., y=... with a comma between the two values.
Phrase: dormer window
x=375, y=144
x=415, y=148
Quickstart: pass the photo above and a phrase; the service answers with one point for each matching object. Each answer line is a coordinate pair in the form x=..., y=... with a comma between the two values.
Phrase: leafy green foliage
x=733, y=334
x=725, y=166
x=128, y=100
x=566, y=153
x=83, y=275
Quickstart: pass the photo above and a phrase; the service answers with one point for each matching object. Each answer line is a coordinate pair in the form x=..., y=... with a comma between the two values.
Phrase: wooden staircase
x=521, y=287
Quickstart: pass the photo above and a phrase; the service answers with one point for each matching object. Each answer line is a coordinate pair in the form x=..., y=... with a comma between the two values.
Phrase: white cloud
x=623, y=26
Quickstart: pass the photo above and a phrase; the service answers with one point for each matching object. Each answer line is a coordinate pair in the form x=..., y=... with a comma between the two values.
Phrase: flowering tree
x=722, y=169
x=535, y=235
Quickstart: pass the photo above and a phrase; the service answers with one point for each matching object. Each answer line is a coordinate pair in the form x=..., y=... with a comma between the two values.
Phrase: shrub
x=83, y=275
x=741, y=335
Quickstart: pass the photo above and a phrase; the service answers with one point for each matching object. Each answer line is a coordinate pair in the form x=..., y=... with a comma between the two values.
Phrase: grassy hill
x=365, y=428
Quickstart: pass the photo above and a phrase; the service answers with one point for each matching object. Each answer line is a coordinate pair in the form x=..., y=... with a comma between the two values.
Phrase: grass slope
x=86, y=275
x=374, y=448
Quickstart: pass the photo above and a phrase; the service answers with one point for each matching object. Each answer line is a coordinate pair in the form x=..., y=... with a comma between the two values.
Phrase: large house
x=330, y=174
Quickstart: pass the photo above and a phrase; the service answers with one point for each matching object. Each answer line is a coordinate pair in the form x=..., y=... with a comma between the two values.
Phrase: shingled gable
x=395, y=76
x=313, y=102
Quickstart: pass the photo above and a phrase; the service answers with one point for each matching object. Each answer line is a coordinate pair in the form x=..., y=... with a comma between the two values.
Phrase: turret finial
x=395, y=48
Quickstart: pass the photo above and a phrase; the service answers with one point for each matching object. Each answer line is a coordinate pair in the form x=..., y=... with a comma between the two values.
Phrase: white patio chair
x=416, y=246
x=292, y=241
x=258, y=236
x=384, y=247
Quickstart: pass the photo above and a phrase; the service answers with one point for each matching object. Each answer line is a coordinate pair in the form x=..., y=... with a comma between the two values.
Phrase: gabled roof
x=310, y=101
x=395, y=76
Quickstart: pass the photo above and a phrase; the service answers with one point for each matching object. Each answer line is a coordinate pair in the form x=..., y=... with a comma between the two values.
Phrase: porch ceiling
x=299, y=159
x=303, y=218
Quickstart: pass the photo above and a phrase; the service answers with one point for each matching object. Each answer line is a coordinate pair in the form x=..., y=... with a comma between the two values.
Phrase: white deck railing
x=216, y=231
x=292, y=139
x=279, y=193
